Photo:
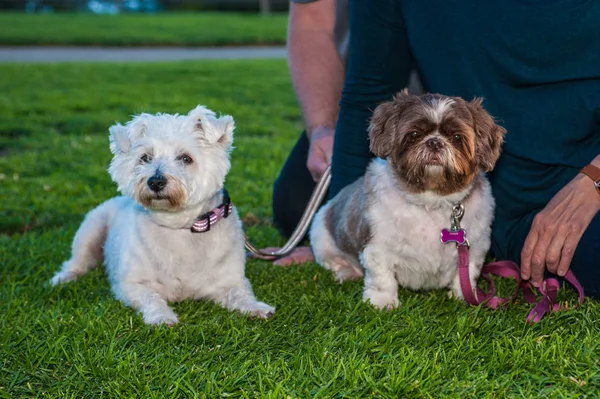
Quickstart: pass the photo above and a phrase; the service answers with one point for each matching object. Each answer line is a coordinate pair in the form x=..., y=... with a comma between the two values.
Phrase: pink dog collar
x=204, y=222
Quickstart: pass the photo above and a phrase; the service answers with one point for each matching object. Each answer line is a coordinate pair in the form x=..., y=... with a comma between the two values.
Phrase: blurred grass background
x=164, y=29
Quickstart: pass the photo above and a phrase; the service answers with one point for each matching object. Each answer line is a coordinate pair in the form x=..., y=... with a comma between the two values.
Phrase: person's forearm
x=317, y=74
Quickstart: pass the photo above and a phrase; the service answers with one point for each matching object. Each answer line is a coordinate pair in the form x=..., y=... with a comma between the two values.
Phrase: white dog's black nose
x=434, y=144
x=157, y=182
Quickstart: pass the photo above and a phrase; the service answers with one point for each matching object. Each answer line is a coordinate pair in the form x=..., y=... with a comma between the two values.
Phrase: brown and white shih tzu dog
x=432, y=154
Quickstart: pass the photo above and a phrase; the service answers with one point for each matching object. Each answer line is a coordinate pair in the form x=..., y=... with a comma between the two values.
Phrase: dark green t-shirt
x=536, y=63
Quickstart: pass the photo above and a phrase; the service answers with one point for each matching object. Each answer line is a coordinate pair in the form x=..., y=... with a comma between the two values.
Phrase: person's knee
x=508, y=241
x=584, y=264
x=281, y=209
x=292, y=189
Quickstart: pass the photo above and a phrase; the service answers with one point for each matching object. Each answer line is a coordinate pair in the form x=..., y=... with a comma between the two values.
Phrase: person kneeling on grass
x=540, y=79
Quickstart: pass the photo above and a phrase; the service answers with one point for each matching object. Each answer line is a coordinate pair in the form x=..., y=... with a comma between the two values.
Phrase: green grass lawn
x=164, y=29
x=78, y=341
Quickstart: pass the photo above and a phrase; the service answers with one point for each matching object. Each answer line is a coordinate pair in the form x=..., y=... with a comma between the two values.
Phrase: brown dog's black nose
x=157, y=182
x=434, y=144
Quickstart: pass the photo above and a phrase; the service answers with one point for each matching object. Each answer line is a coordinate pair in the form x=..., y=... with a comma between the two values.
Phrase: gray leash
x=312, y=207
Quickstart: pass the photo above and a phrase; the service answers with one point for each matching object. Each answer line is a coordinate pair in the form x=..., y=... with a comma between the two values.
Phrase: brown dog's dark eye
x=146, y=158
x=186, y=159
x=457, y=137
x=413, y=135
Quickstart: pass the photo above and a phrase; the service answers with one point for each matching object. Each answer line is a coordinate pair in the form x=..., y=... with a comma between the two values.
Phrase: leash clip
x=458, y=211
x=456, y=234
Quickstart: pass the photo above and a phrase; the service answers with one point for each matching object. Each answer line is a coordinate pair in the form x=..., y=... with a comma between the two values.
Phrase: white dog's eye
x=413, y=134
x=186, y=159
x=146, y=158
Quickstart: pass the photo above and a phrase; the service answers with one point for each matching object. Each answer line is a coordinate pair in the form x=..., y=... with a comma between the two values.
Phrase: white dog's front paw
x=261, y=310
x=63, y=277
x=160, y=316
x=381, y=301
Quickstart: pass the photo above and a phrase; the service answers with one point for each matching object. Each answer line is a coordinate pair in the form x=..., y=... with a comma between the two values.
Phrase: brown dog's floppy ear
x=489, y=136
x=381, y=129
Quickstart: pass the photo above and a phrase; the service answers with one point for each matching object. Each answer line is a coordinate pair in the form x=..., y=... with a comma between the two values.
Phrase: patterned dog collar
x=203, y=223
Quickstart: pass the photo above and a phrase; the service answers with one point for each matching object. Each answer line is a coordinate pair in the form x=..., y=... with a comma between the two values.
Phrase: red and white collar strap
x=204, y=222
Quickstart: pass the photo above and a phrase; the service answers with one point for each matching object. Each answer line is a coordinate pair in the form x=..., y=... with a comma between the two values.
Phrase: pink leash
x=549, y=288
x=476, y=296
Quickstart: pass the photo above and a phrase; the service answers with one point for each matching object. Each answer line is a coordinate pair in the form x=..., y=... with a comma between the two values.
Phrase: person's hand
x=320, y=151
x=298, y=256
x=557, y=229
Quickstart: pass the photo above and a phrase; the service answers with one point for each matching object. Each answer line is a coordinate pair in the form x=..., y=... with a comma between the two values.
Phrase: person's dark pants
x=292, y=189
x=585, y=260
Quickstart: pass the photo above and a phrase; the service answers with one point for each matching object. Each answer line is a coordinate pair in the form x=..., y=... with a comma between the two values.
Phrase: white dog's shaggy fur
x=433, y=151
x=144, y=236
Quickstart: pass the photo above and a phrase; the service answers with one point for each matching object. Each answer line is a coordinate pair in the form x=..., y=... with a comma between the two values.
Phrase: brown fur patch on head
x=489, y=136
x=173, y=197
x=384, y=124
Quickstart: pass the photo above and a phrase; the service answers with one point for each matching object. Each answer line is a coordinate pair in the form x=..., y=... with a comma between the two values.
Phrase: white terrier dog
x=174, y=234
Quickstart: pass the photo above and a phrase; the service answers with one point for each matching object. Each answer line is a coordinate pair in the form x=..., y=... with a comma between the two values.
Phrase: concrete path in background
x=143, y=54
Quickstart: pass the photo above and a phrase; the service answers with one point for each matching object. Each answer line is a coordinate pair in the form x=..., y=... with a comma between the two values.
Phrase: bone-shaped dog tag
x=458, y=236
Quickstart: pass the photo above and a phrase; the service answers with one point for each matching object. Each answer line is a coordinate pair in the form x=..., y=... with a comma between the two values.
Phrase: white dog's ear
x=138, y=125
x=199, y=118
x=212, y=130
x=200, y=112
x=224, y=127
x=119, y=138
